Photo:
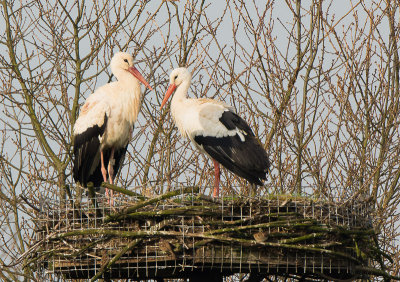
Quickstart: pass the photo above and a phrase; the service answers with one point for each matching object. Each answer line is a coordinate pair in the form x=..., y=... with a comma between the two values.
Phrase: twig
x=301, y=238
x=122, y=214
x=190, y=210
x=128, y=247
x=374, y=271
x=123, y=191
x=282, y=223
x=223, y=238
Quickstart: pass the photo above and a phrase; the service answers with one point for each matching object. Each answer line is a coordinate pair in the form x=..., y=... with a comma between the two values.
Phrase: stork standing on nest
x=103, y=129
x=215, y=129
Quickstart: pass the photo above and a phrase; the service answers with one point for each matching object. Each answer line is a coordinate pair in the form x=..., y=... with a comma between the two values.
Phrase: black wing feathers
x=247, y=158
x=86, y=150
x=231, y=121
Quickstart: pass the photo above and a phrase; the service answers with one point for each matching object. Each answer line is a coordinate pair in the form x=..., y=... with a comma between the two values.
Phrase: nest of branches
x=182, y=232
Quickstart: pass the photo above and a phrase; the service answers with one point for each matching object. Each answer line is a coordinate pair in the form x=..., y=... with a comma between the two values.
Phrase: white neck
x=130, y=86
x=177, y=106
x=135, y=101
x=124, y=76
x=180, y=94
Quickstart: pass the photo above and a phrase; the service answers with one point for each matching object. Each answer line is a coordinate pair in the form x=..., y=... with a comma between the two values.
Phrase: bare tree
x=53, y=55
x=319, y=86
x=327, y=102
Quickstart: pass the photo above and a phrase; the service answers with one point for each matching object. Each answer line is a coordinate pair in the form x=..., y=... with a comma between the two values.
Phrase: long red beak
x=168, y=94
x=139, y=76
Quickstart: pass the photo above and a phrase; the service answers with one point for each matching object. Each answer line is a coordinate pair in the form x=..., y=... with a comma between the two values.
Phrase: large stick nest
x=182, y=232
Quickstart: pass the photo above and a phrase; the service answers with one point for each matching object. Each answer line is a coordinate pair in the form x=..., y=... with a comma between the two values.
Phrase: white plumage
x=104, y=126
x=216, y=130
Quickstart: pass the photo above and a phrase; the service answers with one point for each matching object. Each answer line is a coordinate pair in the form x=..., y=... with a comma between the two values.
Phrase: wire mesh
x=189, y=232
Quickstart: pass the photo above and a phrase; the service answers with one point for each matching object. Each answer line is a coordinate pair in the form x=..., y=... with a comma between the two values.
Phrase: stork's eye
x=125, y=60
x=176, y=76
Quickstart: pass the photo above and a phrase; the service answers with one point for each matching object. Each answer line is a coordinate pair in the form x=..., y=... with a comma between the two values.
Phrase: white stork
x=105, y=123
x=215, y=129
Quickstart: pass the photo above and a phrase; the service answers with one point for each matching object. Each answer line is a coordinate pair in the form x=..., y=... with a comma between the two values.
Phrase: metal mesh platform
x=186, y=233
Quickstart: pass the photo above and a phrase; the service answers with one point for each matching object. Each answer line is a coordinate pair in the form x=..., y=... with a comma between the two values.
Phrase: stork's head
x=176, y=78
x=123, y=62
x=179, y=75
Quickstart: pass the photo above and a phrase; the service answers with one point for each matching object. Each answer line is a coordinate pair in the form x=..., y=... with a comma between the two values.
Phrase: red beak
x=139, y=76
x=168, y=94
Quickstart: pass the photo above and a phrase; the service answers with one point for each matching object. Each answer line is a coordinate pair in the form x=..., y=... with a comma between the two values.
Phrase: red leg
x=103, y=170
x=111, y=162
x=103, y=167
x=216, y=179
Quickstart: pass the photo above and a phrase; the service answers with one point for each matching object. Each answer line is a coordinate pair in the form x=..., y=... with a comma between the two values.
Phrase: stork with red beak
x=216, y=130
x=103, y=129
